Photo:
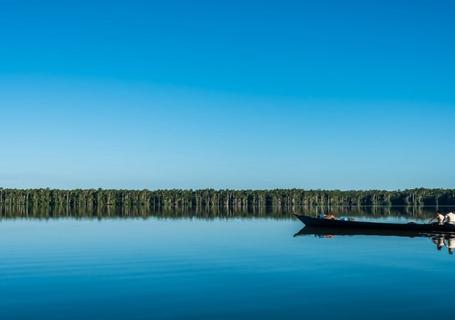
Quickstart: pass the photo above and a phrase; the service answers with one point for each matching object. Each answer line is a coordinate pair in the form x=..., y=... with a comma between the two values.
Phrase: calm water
x=215, y=269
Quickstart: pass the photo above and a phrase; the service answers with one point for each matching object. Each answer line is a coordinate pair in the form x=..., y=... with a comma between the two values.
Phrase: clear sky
x=227, y=94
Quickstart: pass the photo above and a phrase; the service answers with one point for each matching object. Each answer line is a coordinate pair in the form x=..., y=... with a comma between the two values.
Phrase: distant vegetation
x=209, y=198
x=209, y=203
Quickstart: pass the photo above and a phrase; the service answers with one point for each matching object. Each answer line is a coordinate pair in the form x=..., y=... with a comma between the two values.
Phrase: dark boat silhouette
x=322, y=232
x=349, y=227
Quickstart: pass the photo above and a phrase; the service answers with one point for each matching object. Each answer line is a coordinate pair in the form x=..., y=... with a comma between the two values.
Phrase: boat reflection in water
x=441, y=240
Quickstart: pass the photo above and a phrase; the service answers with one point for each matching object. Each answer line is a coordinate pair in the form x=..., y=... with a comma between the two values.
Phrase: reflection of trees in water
x=141, y=211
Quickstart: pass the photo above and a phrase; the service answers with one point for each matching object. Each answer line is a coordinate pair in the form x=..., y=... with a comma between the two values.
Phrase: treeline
x=249, y=200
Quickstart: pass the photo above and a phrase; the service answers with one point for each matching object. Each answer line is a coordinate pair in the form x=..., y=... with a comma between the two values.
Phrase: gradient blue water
x=215, y=269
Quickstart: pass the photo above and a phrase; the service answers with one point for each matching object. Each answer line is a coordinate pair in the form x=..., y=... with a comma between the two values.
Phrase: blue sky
x=227, y=94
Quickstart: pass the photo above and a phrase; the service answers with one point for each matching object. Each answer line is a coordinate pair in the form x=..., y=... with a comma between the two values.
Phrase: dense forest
x=249, y=200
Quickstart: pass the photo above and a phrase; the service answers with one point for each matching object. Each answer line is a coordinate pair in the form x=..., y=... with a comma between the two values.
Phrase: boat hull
x=377, y=226
x=327, y=232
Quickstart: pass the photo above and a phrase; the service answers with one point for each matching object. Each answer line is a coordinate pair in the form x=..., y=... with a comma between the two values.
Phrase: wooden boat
x=327, y=232
x=377, y=226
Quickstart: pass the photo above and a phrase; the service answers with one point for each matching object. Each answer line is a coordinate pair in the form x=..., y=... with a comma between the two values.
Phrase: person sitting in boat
x=450, y=218
x=330, y=216
x=438, y=218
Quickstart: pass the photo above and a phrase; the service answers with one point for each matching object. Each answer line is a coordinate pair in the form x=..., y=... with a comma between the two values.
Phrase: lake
x=221, y=268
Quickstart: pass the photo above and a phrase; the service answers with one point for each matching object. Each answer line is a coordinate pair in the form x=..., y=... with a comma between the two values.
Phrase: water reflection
x=50, y=212
x=440, y=240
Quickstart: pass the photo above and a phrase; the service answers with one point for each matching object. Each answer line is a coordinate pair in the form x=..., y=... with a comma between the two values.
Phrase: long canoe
x=323, y=232
x=359, y=225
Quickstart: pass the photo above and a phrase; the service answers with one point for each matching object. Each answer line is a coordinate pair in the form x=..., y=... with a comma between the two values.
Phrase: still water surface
x=215, y=269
